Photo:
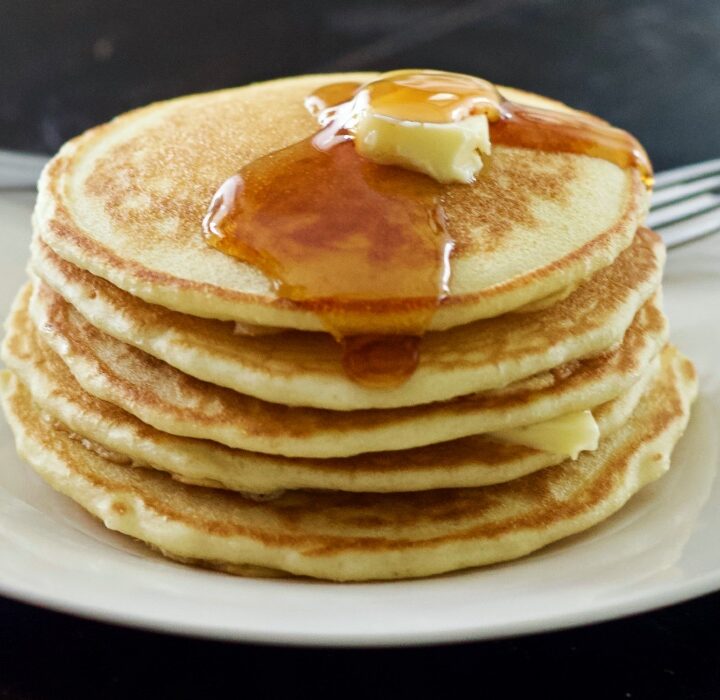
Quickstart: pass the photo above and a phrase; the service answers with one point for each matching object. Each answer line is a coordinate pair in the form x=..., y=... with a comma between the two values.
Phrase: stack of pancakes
x=169, y=390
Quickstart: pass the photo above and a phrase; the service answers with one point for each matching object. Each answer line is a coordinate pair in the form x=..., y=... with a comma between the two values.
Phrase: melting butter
x=567, y=435
x=447, y=152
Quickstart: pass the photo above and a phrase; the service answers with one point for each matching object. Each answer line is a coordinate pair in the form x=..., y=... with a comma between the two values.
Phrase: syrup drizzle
x=331, y=229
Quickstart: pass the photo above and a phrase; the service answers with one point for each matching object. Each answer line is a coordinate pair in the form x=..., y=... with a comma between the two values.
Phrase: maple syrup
x=380, y=360
x=329, y=227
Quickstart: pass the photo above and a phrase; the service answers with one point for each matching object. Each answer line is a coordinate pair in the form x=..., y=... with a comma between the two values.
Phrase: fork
x=685, y=204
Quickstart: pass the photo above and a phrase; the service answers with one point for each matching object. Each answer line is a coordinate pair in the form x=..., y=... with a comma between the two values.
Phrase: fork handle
x=20, y=170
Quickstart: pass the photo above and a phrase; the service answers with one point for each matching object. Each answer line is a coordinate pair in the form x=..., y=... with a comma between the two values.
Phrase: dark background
x=651, y=67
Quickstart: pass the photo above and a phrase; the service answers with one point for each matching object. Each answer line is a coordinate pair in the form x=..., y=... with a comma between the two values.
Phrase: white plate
x=661, y=548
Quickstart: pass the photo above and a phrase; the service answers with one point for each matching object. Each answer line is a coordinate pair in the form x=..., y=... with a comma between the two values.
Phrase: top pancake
x=125, y=201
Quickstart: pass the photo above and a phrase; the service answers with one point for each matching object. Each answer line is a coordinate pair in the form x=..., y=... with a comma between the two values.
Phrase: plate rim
x=131, y=619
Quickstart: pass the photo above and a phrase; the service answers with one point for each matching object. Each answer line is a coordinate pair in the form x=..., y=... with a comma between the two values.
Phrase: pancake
x=171, y=401
x=346, y=537
x=301, y=368
x=122, y=438
x=117, y=201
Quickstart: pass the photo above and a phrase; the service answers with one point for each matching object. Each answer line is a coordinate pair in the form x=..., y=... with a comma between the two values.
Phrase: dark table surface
x=649, y=66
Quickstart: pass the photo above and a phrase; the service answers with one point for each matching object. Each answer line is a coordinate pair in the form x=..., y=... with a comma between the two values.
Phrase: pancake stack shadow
x=143, y=382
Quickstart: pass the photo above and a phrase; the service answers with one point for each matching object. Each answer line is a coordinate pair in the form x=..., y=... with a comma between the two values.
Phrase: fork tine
x=682, y=210
x=683, y=206
x=691, y=229
x=686, y=173
x=678, y=192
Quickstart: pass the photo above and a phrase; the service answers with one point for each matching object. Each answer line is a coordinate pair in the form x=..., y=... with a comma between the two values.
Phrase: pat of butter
x=567, y=435
x=447, y=152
